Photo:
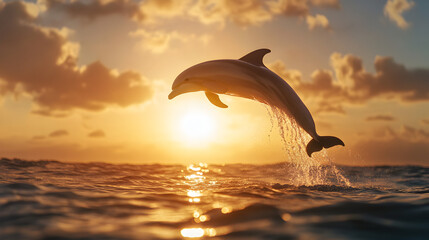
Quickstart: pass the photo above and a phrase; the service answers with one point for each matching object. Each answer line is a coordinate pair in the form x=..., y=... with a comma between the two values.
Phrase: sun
x=197, y=127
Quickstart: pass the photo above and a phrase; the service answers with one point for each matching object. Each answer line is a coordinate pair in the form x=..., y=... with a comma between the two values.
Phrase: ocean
x=59, y=200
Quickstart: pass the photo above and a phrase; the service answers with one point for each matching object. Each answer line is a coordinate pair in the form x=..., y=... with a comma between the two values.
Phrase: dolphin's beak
x=173, y=94
x=184, y=88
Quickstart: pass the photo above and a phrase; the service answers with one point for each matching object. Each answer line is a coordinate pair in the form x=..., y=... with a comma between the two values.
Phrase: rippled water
x=55, y=200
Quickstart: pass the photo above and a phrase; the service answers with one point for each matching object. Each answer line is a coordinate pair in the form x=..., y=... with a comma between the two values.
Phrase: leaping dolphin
x=248, y=77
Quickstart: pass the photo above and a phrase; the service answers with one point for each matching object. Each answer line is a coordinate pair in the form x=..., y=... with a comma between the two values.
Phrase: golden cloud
x=290, y=7
x=159, y=41
x=385, y=145
x=326, y=3
x=393, y=151
x=59, y=133
x=154, y=9
x=352, y=84
x=97, y=134
x=394, y=10
x=380, y=117
x=41, y=63
x=241, y=12
x=38, y=137
x=317, y=21
x=94, y=9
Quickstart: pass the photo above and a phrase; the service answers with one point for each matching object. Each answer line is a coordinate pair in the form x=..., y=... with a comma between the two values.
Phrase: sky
x=88, y=80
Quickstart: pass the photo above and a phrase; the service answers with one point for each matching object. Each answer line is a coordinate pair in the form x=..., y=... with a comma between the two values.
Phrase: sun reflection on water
x=198, y=232
x=203, y=218
x=194, y=196
x=194, y=200
x=193, y=193
x=192, y=232
x=196, y=181
x=196, y=173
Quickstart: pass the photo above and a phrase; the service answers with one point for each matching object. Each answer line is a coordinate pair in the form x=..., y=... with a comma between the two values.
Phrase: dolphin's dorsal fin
x=215, y=100
x=256, y=56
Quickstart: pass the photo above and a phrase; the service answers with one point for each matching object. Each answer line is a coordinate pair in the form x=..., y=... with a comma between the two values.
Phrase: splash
x=318, y=170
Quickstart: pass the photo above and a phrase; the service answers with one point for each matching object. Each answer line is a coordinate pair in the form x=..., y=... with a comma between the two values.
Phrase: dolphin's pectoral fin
x=255, y=57
x=214, y=99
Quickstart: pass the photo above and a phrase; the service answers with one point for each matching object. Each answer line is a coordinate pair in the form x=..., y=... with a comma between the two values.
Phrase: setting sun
x=197, y=127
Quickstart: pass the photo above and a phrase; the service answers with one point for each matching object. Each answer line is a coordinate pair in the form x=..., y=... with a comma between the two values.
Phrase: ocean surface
x=57, y=200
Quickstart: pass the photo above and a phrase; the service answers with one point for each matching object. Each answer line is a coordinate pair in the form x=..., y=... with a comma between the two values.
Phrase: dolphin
x=248, y=77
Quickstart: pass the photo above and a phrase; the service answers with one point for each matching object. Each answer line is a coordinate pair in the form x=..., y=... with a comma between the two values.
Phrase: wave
x=57, y=200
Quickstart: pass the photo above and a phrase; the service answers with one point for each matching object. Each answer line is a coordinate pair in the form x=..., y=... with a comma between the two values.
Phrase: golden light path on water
x=198, y=183
x=195, y=179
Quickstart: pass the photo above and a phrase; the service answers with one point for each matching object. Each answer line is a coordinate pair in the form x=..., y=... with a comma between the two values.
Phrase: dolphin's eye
x=186, y=79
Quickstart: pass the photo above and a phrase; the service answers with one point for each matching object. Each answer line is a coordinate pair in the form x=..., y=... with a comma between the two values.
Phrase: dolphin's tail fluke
x=323, y=142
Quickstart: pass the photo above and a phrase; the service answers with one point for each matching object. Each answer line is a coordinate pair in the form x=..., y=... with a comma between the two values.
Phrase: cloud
x=393, y=151
x=41, y=63
x=159, y=41
x=97, y=134
x=317, y=21
x=329, y=107
x=391, y=79
x=241, y=12
x=352, y=84
x=414, y=134
x=98, y=8
x=299, y=8
x=394, y=10
x=380, y=117
x=154, y=9
x=290, y=7
x=320, y=80
x=147, y=12
x=48, y=113
x=326, y=3
x=322, y=92
x=139, y=11
x=291, y=75
x=324, y=125
x=425, y=121
x=407, y=145
x=38, y=137
x=59, y=133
